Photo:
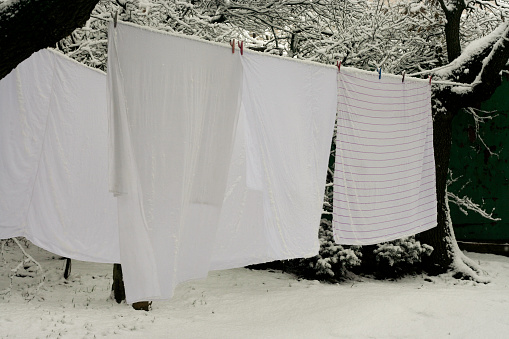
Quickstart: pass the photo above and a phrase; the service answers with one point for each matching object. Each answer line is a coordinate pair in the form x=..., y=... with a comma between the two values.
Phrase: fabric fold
x=174, y=116
x=53, y=159
x=274, y=199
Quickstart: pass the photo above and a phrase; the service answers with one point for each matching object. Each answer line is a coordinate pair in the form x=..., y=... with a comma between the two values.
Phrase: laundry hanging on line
x=73, y=215
x=174, y=105
x=54, y=159
x=274, y=199
x=384, y=177
x=55, y=168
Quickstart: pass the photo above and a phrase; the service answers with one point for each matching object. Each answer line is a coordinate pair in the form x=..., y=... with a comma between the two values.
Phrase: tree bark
x=440, y=237
x=28, y=26
x=452, y=34
x=484, y=68
x=453, y=12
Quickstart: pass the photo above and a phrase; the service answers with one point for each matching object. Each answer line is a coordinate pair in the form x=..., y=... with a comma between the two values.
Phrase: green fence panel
x=483, y=170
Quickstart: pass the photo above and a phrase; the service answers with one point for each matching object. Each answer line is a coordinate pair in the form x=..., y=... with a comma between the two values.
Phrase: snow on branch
x=481, y=120
x=472, y=51
x=465, y=203
x=480, y=65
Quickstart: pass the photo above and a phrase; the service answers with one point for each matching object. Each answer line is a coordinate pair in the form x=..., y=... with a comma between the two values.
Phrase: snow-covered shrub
x=332, y=261
x=399, y=257
x=331, y=264
x=386, y=260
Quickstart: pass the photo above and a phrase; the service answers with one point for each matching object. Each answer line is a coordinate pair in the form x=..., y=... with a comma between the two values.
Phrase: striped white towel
x=384, y=178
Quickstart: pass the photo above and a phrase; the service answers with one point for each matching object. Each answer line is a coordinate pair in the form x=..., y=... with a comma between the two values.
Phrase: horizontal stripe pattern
x=384, y=177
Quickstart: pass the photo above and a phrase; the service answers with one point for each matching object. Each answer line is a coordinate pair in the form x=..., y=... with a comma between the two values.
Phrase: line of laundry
x=216, y=160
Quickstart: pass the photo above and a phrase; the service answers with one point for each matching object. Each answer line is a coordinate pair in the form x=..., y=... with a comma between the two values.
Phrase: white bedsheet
x=384, y=179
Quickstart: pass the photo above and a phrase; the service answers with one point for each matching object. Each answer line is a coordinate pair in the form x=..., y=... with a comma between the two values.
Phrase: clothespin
x=241, y=46
x=431, y=76
x=232, y=43
x=380, y=73
x=338, y=63
x=115, y=19
x=403, y=74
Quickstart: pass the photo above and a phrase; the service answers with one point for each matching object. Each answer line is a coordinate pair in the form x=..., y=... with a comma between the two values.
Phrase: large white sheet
x=173, y=223
x=277, y=176
x=175, y=104
x=53, y=159
x=384, y=179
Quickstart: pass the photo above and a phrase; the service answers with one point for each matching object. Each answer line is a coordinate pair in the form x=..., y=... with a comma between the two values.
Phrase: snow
x=6, y=3
x=242, y=303
x=471, y=50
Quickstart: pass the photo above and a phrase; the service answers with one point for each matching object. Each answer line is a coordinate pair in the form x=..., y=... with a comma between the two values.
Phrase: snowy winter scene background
x=422, y=286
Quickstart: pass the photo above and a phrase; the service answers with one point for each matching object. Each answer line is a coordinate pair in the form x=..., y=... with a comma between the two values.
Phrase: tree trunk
x=28, y=26
x=440, y=237
x=452, y=34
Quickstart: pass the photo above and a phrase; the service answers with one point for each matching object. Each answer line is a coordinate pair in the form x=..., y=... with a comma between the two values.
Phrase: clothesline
x=435, y=82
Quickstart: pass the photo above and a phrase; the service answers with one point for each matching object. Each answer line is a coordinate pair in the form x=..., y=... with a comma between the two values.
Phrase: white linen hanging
x=24, y=107
x=384, y=178
x=53, y=159
x=278, y=171
x=174, y=106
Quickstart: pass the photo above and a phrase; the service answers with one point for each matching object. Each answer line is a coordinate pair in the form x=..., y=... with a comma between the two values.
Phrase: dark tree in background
x=27, y=26
x=481, y=69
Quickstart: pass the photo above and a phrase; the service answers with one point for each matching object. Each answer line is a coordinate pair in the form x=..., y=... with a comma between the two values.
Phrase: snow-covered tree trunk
x=28, y=26
x=479, y=65
x=439, y=237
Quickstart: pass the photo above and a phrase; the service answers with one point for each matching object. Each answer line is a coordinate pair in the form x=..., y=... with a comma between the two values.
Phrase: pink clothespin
x=403, y=74
x=338, y=63
x=232, y=43
x=241, y=46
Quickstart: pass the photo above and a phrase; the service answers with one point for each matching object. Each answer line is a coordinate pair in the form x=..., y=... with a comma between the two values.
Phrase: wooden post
x=119, y=290
x=67, y=271
x=118, y=284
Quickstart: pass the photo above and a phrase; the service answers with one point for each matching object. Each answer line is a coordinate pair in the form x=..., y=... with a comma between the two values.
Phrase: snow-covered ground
x=243, y=303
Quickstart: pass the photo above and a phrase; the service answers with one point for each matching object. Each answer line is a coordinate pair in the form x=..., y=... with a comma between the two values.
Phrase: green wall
x=484, y=177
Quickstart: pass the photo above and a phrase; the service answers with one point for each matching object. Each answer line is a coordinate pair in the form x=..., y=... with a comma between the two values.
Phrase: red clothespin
x=403, y=74
x=241, y=46
x=431, y=76
x=232, y=43
x=338, y=63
